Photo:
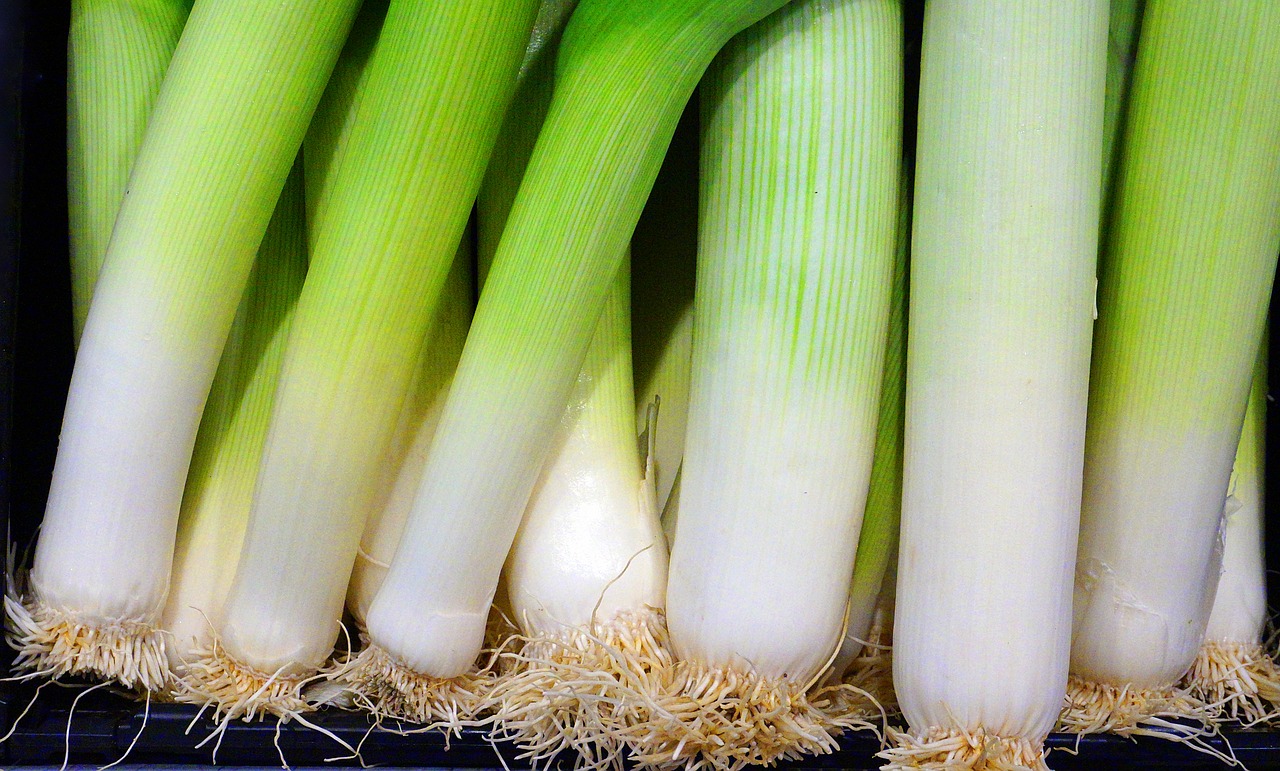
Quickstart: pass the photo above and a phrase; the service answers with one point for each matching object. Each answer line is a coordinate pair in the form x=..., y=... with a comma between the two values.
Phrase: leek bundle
x=224, y=463
x=117, y=54
x=432, y=96
x=1182, y=299
x=801, y=120
x=1007, y=196
x=624, y=71
x=212, y=164
x=1234, y=671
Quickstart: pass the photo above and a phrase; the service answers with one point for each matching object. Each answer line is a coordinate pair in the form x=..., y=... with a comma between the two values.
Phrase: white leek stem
x=801, y=118
x=1007, y=190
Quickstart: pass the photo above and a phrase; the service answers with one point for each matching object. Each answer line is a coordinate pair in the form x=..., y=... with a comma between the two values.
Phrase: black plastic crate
x=35, y=365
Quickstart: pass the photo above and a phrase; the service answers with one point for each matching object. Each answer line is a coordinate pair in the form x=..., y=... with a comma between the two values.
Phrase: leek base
x=236, y=691
x=566, y=692
x=1092, y=707
x=871, y=671
x=54, y=643
x=694, y=716
x=949, y=748
x=388, y=689
x=1238, y=681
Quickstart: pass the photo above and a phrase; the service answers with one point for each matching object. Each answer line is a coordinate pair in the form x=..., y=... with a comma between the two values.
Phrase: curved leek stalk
x=224, y=465
x=624, y=72
x=416, y=426
x=436, y=86
x=225, y=129
x=117, y=54
x=1234, y=671
x=1007, y=193
x=1182, y=300
x=799, y=199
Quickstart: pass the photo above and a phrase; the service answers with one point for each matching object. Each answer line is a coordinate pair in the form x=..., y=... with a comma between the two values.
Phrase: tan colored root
x=949, y=748
x=565, y=692
x=1238, y=681
x=237, y=691
x=1128, y=711
x=871, y=673
x=689, y=715
x=53, y=643
x=387, y=689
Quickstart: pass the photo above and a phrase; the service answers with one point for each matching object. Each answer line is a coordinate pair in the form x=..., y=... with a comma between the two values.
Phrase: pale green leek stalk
x=625, y=69
x=664, y=252
x=519, y=131
x=1005, y=233
x=330, y=128
x=1234, y=670
x=399, y=476
x=436, y=86
x=224, y=465
x=1240, y=605
x=1122, y=49
x=878, y=539
x=1182, y=300
x=396, y=477
x=117, y=53
x=800, y=170
x=224, y=131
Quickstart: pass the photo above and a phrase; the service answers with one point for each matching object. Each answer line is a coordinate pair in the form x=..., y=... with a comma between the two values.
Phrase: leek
x=438, y=358
x=1007, y=195
x=436, y=86
x=1233, y=670
x=871, y=595
x=624, y=71
x=1183, y=296
x=117, y=53
x=214, y=159
x=586, y=576
x=663, y=250
x=801, y=118
x=224, y=464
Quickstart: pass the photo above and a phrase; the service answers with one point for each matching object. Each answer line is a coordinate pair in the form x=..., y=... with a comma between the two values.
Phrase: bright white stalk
x=1234, y=671
x=1183, y=292
x=225, y=129
x=1007, y=191
x=587, y=574
x=801, y=149
x=117, y=54
x=664, y=253
x=436, y=86
x=224, y=464
x=625, y=70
